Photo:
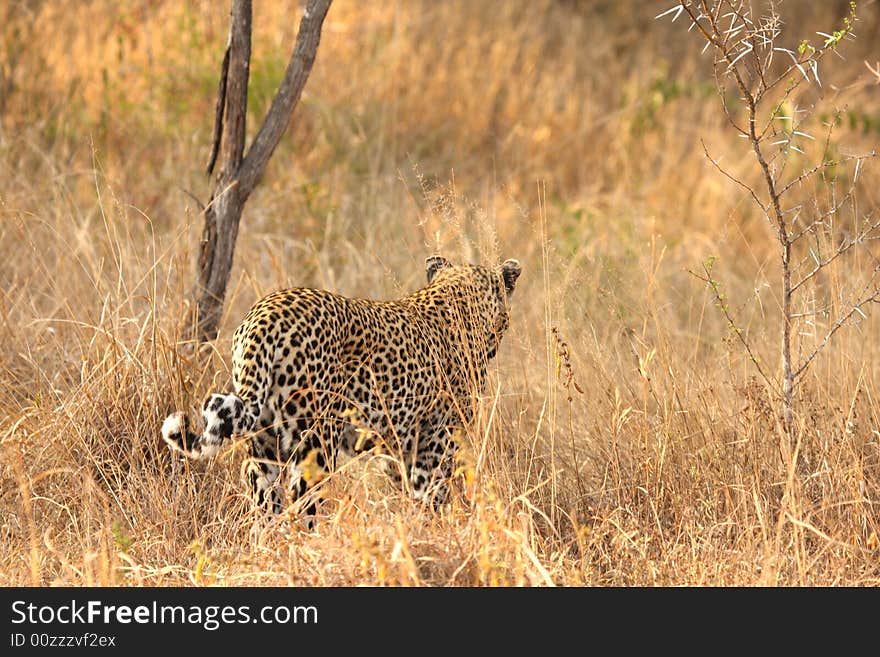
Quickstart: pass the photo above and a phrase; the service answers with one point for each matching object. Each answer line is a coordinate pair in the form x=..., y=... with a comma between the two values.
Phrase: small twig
x=722, y=305
x=823, y=165
x=843, y=248
x=734, y=179
x=841, y=321
x=719, y=88
x=811, y=313
x=809, y=228
x=201, y=205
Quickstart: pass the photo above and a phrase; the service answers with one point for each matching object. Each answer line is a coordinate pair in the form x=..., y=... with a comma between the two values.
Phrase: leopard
x=316, y=374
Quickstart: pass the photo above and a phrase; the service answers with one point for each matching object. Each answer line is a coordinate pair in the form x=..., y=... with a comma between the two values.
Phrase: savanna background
x=624, y=438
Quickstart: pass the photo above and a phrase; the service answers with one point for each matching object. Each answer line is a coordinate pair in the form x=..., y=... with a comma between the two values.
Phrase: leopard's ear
x=433, y=264
x=510, y=271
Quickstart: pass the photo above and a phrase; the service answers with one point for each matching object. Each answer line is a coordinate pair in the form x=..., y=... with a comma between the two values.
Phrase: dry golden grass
x=623, y=439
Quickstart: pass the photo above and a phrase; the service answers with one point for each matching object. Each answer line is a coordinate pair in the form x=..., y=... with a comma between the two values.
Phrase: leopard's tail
x=224, y=416
x=233, y=414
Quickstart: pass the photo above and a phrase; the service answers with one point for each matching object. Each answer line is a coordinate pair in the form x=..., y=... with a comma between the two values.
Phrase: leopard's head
x=478, y=298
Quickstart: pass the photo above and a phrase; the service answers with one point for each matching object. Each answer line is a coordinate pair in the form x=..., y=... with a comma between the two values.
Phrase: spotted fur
x=315, y=373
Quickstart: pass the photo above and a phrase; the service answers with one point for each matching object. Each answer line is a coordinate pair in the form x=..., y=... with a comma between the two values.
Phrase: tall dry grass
x=623, y=438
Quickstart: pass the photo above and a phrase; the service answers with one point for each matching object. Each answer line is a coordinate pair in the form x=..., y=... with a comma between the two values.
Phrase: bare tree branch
x=856, y=308
x=846, y=246
x=735, y=179
x=740, y=334
x=824, y=165
x=288, y=96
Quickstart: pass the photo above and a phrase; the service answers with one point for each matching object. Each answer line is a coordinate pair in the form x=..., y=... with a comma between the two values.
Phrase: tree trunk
x=240, y=173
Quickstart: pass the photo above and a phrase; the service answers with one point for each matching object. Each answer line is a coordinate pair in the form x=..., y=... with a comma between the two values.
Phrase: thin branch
x=734, y=179
x=823, y=165
x=796, y=65
x=842, y=249
x=694, y=20
x=200, y=205
x=810, y=313
x=719, y=88
x=841, y=321
x=219, y=110
x=719, y=301
x=808, y=229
